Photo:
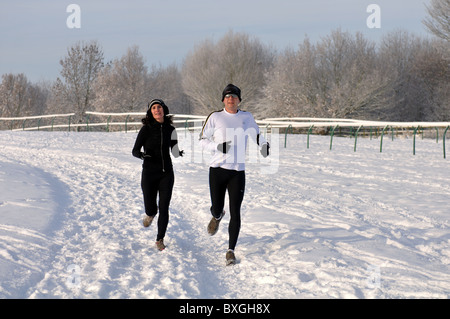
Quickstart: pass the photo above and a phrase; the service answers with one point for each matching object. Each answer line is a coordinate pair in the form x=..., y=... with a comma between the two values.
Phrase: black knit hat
x=231, y=89
x=160, y=102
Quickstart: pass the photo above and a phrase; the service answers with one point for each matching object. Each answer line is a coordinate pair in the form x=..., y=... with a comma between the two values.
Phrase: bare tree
x=19, y=97
x=236, y=59
x=403, y=99
x=431, y=68
x=199, y=78
x=13, y=95
x=165, y=83
x=438, y=22
x=127, y=85
x=121, y=85
x=334, y=78
x=292, y=86
x=79, y=70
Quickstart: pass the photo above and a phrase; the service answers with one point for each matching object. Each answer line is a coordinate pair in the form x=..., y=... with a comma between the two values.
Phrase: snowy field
x=315, y=223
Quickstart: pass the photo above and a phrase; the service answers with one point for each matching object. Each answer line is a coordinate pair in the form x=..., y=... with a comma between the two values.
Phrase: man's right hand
x=224, y=147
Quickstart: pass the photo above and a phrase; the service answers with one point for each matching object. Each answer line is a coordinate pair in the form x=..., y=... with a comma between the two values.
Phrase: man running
x=225, y=134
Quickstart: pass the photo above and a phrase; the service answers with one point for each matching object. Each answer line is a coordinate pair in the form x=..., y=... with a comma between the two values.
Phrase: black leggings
x=153, y=182
x=221, y=180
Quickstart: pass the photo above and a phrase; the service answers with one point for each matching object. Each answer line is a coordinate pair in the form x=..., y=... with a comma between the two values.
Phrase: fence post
x=309, y=132
x=381, y=139
x=356, y=137
x=443, y=138
x=70, y=118
x=39, y=123
x=107, y=123
x=289, y=128
x=23, y=125
x=414, y=140
x=332, y=134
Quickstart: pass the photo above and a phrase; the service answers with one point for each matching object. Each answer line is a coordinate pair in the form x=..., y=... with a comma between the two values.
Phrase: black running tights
x=221, y=180
x=153, y=183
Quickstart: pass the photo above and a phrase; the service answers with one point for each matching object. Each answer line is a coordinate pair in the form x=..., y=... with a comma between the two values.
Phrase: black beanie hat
x=160, y=102
x=231, y=89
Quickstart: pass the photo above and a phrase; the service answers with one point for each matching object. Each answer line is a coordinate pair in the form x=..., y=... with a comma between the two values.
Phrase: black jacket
x=156, y=139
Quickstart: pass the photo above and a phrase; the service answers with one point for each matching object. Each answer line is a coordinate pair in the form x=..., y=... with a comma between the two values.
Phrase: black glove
x=265, y=150
x=181, y=153
x=143, y=156
x=224, y=147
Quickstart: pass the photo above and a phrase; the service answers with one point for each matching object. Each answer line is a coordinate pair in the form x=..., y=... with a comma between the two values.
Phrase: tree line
x=402, y=78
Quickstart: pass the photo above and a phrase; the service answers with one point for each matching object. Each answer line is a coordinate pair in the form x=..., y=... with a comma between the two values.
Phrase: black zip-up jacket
x=157, y=139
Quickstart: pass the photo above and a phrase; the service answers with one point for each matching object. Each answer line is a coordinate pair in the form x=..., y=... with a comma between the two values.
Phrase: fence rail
x=101, y=121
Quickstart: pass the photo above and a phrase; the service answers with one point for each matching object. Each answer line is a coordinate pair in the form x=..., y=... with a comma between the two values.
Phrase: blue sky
x=34, y=35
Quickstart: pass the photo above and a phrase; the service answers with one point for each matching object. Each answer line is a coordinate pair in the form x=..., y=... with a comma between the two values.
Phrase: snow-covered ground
x=315, y=223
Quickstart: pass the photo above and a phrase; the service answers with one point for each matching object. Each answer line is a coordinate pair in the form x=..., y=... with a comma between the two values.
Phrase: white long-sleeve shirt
x=221, y=127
